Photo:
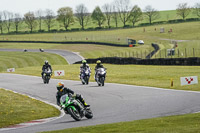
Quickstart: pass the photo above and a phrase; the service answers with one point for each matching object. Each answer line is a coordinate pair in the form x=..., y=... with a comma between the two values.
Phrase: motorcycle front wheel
x=87, y=80
x=74, y=113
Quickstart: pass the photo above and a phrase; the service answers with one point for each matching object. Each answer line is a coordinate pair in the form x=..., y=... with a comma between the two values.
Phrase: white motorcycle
x=100, y=76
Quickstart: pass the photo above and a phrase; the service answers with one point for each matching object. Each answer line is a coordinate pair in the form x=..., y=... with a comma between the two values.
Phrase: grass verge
x=16, y=108
x=189, y=123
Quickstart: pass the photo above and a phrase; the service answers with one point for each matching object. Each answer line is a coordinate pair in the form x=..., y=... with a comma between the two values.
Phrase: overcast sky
x=24, y=6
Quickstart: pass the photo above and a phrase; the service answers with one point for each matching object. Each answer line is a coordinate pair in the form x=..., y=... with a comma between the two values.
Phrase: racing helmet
x=60, y=86
x=98, y=62
x=84, y=61
x=46, y=62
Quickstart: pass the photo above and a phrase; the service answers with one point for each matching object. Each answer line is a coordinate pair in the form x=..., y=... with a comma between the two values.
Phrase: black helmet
x=46, y=62
x=60, y=86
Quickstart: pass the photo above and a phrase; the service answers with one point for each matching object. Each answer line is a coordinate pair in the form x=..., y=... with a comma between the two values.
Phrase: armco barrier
x=193, y=61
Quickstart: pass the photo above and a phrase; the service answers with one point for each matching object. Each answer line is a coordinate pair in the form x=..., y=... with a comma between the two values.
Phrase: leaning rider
x=62, y=90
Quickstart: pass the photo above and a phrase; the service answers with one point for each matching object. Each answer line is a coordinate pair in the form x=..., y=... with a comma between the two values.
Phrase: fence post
x=171, y=53
x=193, y=53
x=178, y=52
x=160, y=53
x=185, y=53
x=137, y=54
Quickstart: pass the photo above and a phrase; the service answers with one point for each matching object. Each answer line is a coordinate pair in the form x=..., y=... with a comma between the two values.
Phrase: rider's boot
x=84, y=103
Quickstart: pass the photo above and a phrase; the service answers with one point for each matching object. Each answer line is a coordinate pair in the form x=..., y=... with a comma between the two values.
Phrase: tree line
x=119, y=10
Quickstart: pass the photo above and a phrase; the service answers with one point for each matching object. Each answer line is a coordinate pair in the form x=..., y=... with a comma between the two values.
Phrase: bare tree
x=30, y=20
x=197, y=9
x=65, y=16
x=115, y=14
x=49, y=18
x=82, y=15
x=17, y=21
x=124, y=9
x=107, y=9
x=1, y=22
x=98, y=16
x=151, y=13
x=183, y=10
x=8, y=18
x=39, y=15
x=136, y=15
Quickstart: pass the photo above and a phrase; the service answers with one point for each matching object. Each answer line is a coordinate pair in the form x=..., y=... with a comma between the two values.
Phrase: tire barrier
x=192, y=61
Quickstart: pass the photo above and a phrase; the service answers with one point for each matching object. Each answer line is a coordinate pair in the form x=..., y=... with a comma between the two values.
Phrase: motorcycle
x=75, y=108
x=85, y=75
x=46, y=76
x=101, y=76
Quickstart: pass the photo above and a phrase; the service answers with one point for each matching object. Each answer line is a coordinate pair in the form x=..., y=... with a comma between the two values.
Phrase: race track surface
x=111, y=103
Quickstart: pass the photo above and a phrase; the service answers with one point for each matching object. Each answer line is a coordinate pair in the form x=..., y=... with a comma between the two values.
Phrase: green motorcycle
x=74, y=107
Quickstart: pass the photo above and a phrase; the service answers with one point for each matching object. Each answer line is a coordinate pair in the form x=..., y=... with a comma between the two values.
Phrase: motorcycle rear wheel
x=88, y=114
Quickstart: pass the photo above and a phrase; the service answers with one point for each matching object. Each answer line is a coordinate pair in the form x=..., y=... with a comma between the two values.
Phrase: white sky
x=24, y=6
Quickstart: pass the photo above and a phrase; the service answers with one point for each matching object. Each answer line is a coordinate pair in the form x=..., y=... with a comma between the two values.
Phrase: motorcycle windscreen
x=63, y=98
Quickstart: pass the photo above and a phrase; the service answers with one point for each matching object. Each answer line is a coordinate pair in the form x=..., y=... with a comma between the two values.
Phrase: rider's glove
x=74, y=95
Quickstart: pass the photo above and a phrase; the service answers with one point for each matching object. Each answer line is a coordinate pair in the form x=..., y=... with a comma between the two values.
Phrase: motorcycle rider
x=46, y=66
x=84, y=65
x=62, y=90
x=99, y=65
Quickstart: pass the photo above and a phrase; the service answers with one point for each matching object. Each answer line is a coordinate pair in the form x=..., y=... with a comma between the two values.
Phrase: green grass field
x=86, y=50
x=25, y=59
x=16, y=108
x=189, y=123
x=180, y=31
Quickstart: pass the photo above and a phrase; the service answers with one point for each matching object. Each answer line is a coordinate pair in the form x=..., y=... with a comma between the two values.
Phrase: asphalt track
x=111, y=103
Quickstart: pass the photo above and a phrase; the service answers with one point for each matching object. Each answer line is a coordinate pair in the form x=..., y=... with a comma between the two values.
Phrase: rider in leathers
x=63, y=90
x=45, y=67
x=84, y=65
x=99, y=65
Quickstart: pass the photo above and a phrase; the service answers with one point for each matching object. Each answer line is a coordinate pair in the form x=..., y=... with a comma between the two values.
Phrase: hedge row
x=193, y=61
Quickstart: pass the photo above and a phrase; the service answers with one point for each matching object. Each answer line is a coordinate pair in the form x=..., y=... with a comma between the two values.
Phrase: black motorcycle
x=100, y=76
x=46, y=76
